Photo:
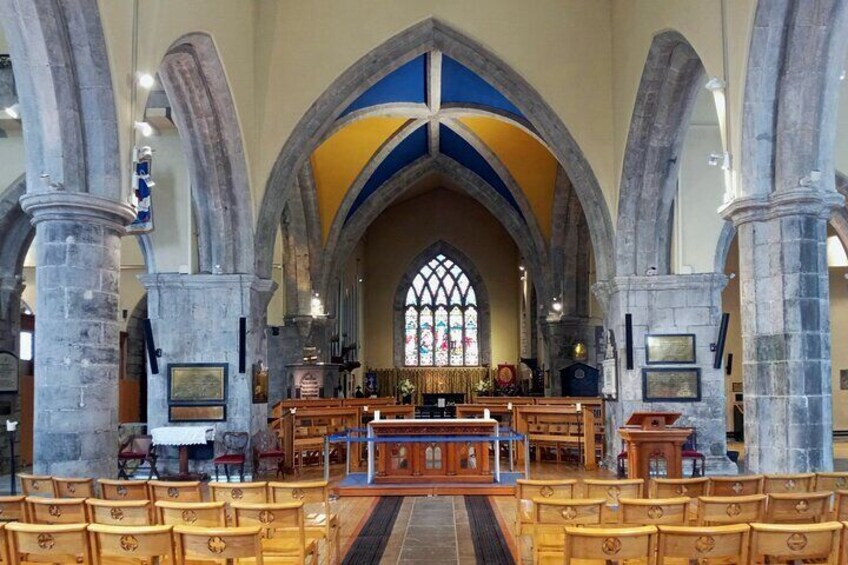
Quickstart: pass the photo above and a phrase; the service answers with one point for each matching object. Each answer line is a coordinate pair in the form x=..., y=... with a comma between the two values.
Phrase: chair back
x=12, y=509
x=132, y=542
x=840, y=505
x=4, y=548
x=795, y=542
x=610, y=544
x=567, y=511
x=73, y=488
x=798, y=507
x=66, y=543
x=273, y=518
x=699, y=543
x=119, y=512
x=55, y=510
x=123, y=490
x=673, y=488
x=200, y=514
x=175, y=491
x=234, y=443
x=256, y=492
x=612, y=490
x=798, y=482
x=528, y=489
x=653, y=511
x=37, y=485
x=736, y=486
x=218, y=544
x=139, y=443
x=308, y=492
x=830, y=481
x=717, y=510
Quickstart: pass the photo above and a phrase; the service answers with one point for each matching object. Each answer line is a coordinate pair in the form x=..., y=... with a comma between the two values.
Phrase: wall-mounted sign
x=9, y=369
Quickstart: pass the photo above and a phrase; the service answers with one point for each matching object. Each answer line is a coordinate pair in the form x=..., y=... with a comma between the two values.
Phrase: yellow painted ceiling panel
x=338, y=161
x=527, y=160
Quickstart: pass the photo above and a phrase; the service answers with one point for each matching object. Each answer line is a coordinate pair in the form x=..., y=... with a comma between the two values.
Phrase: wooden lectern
x=649, y=436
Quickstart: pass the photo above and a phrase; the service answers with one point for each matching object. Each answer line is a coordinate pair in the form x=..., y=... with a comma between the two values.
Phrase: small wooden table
x=649, y=436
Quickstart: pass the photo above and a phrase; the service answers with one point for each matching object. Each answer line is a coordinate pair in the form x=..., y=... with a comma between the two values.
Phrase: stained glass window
x=441, y=318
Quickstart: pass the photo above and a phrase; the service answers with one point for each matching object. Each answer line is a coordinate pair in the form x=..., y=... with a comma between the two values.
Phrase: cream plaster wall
x=840, y=160
x=12, y=159
x=403, y=231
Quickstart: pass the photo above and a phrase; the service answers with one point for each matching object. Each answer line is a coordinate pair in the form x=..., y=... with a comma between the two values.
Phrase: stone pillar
x=560, y=336
x=785, y=329
x=195, y=319
x=78, y=259
x=11, y=289
x=670, y=304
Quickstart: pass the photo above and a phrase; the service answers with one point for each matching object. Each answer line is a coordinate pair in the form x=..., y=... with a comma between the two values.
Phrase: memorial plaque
x=197, y=383
x=669, y=349
x=671, y=385
x=9, y=369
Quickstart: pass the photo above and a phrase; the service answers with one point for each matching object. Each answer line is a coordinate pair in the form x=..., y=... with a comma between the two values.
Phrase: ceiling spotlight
x=557, y=305
x=714, y=84
x=146, y=80
x=521, y=268
x=13, y=111
x=144, y=128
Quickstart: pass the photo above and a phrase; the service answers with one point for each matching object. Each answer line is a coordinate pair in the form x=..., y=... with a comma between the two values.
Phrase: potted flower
x=483, y=387
x=406, y=390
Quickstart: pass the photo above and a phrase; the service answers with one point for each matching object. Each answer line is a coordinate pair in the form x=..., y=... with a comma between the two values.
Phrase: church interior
x=420, y=281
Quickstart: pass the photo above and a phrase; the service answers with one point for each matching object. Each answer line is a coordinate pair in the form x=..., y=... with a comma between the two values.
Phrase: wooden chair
x=136, y=450
x=736, y=486
x=256, y=492
x=176, y=491
x=4, y=547
x=73, y=488
x=798, y=482
x=798, y=507
x=200, y=514
x=123, y=490
x=653, y=511
x=671, y=488
x=65, y=544
x=131, y=544
x=12, y=509
x=718, y=510
x=795, y=542
x=55, y=510
x=527, y=489
x=698, y=544
x=320, y=518
x=233, y=451
x=610, y=544
x=840, y=506
x=830, y=481
x=612, y=490
x=266, y=448
x=119, y=512
x=37, y=485
x=214, y=545
x=284, y=533
x=551, y=515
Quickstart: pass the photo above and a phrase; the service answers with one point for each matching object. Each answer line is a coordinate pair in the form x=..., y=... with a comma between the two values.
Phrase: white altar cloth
x=182, y=435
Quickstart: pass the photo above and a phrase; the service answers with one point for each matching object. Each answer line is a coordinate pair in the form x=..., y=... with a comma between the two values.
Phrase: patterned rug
x=490, y=545
x=369, y=545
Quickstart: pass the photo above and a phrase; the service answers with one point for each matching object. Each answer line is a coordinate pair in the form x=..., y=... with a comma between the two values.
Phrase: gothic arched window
x=441, y=324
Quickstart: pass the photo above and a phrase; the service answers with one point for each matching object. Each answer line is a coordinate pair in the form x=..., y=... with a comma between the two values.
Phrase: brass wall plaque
x=669, y=349
x=197, y=413
x=671, y=385
x=197, y=383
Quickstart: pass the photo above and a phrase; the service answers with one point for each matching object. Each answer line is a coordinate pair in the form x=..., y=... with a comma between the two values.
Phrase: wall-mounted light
x=717, y=159
x=13, y=111
x=842, y=75
x=714, y=84
x=144, y=128
x=145, y=80
x=556, y=305
x=521, y=268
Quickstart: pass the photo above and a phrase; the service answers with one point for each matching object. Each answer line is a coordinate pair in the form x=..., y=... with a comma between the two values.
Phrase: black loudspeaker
x=722, y=338
x=728, y=369
x=242, y=341
x=152, y=352
x=628, y=340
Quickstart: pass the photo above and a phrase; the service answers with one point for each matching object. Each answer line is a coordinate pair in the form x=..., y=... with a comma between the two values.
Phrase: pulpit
x=652, y=443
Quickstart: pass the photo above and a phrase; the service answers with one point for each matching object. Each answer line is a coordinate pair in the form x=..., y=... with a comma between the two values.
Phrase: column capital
x=77, y=206
x=798, y=201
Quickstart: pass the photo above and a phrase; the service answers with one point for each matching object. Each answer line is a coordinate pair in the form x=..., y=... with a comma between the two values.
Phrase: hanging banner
x=142, y=184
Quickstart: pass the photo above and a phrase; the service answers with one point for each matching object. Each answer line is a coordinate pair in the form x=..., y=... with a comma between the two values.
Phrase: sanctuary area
x=423, y=281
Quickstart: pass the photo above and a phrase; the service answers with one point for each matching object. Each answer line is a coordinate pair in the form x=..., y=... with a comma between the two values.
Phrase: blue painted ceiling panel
x=461, y=85
x=406, y=84
x=454, y=146
x=415, y=146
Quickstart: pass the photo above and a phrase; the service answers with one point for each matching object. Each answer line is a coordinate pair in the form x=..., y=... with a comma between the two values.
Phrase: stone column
x=670, y=304
x=195, y=319
x=11, y=289
x=785, y=329
x=78, y=259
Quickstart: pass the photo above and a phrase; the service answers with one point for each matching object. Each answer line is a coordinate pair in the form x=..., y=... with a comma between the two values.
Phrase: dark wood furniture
x=651, y=441
x=234, y=447
x=137, y=450
x=558, y=426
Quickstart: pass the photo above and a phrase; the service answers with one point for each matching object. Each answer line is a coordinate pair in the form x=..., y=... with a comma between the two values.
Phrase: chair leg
x=216, y=473
x=227, y=472
x=241, y=473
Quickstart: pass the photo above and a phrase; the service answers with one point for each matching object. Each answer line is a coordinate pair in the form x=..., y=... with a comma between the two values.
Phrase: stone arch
x=65, y=90
x=136, y=352
x=203, y=109
x=671, y=78
x=467, y=265
x=16, y=235
x=432, y=34
x=469, y=183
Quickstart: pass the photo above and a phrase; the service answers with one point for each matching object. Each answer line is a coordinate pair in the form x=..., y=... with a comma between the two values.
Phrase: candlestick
x=579, y=407
x=486, y=414
x=376, y=415
x=509, y=405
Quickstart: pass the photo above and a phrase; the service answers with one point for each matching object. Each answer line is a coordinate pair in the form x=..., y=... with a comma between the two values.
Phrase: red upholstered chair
x=266, y=449
x=233, y=448
x=690, y=453
x=135, y=451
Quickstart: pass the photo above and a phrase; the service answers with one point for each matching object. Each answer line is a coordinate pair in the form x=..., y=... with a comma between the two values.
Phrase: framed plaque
x=9, y=369
x=197, y=383
x=671, y=385
x=197, y=413
x=669, y=349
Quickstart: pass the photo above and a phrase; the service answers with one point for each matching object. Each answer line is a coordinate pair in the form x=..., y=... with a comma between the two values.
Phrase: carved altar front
x=442, y=451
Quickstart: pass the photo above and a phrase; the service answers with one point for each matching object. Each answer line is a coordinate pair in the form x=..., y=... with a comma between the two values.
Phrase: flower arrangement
x=406, y=388
x=483, y=386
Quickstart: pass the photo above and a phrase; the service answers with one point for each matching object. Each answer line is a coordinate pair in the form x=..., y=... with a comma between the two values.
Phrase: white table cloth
x=182, y=435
